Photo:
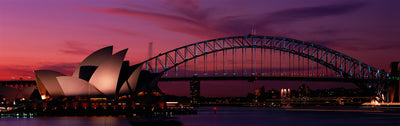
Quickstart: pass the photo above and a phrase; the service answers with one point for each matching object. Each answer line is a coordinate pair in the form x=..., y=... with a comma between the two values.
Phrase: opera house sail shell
x=101, y=73
x=105, y=77
x=12, y=93
x=47, y=83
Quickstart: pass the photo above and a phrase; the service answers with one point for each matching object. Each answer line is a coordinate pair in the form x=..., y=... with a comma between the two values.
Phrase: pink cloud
x=75, y=48
x=155, y=17
x=121, y=31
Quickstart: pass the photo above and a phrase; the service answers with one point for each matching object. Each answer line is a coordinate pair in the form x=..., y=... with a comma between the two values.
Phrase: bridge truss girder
x=345, y=66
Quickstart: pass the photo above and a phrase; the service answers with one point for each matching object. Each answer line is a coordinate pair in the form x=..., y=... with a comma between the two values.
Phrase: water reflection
x=230, y=116
x=65, y=121
x=242, y=116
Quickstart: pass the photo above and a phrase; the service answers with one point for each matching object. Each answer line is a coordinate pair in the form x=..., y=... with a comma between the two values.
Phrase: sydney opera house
x=100, y=74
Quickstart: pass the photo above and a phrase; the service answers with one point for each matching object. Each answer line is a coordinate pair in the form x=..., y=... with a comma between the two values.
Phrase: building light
x=171, y=104
x=98, y=99
x=43, y=97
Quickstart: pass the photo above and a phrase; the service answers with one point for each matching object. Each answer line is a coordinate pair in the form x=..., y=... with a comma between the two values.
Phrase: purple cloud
x=151, y=16
x=298, y=14
x=190, y=18
x=18, y=71
x=190, y=9
x=75, y=48
x=125, y=32
x=65, y=68
x=348, y=44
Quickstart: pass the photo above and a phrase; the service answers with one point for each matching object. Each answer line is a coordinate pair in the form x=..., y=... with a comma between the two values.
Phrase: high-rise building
x=394, y=87
x=195, y=91
x=257, y=92
x=285, y=93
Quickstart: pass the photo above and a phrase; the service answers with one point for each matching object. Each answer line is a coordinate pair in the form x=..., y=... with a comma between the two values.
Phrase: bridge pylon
x=393, y=93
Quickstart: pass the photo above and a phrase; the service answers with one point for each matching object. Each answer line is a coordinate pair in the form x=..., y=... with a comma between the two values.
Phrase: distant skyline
x=58, y=35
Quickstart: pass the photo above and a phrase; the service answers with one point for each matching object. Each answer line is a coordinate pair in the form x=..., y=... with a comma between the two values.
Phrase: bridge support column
x=394, y=85
x=194, y=91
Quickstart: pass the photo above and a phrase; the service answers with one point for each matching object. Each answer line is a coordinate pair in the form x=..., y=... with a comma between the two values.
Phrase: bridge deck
x=268, y=78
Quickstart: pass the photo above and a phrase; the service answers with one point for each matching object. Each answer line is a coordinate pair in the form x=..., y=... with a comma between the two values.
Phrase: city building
x=285, y=93
x=195, y=91
x=394, y=86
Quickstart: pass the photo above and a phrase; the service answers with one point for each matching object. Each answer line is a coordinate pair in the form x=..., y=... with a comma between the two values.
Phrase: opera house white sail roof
x=101, y=73
x=12, y=93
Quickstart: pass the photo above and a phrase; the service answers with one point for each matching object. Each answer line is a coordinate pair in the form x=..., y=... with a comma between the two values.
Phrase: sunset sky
x=58, y=35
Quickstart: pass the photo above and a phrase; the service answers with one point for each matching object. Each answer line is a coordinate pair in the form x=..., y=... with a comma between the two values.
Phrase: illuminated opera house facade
x=100, y=74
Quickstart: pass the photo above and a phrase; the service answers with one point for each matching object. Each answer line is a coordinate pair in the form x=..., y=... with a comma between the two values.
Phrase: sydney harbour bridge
x=270, y=58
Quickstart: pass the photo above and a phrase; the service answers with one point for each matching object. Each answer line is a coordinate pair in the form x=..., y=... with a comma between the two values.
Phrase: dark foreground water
x=233, y=116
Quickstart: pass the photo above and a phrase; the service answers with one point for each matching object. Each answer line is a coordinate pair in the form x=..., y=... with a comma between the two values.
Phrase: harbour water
x=233, y=116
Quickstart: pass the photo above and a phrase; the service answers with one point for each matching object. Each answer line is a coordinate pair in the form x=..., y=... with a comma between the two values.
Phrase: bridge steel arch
x=344, y=65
